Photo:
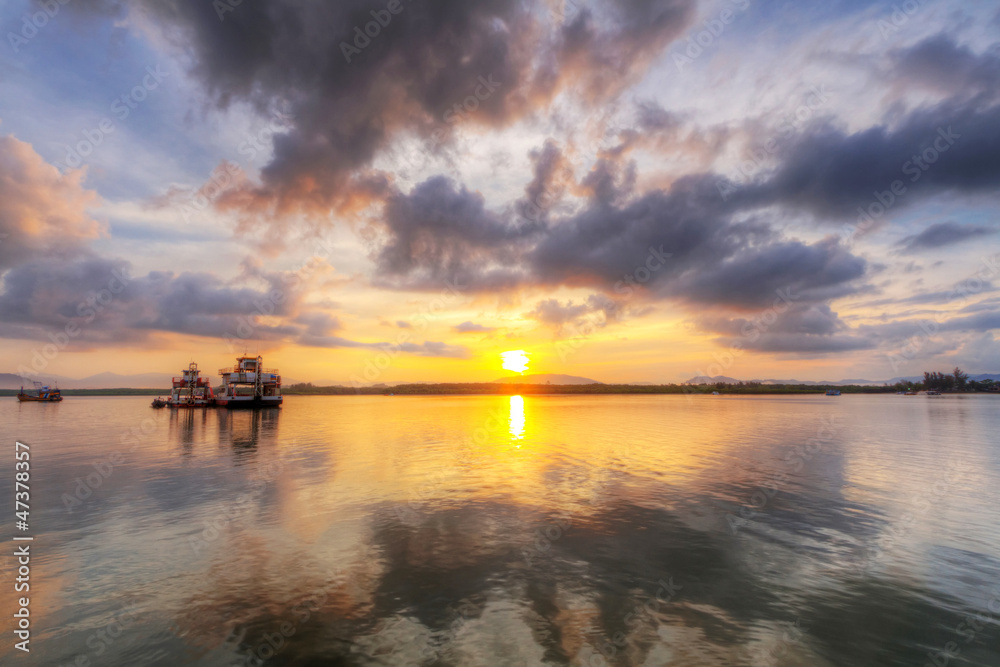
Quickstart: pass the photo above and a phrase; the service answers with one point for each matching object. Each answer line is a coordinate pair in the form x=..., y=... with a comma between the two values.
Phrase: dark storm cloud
x=95, y=301
x=442, y=232
x=817, y=272
x=552, y=173
x=680, y=244
x=942, y=234
x=290, y=56
x=950, y=147
x=109, y=304
x=790, y=327
x=940, y=64
x=809, y=345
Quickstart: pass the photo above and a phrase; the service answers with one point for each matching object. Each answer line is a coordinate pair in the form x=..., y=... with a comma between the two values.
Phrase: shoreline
x=491, y=389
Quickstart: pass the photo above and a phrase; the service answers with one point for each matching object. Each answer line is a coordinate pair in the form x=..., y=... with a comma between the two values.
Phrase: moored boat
x=190, y=390
x=40, y=394
x=833, y=392
x=159, y=403
x=249, y=385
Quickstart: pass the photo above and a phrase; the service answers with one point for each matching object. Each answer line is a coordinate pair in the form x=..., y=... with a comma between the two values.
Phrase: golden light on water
x=515, y=361
x=516, y=418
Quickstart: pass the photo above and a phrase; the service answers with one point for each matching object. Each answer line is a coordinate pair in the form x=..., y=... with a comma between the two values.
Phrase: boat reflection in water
x=243, y=429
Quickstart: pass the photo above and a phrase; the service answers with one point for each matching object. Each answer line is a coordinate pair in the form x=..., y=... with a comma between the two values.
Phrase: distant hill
x=100, y=381
x=114, y=380
x=545, y=378
x=704, y=379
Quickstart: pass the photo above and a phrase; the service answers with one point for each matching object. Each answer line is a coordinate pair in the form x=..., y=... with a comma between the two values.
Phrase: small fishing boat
x=833, y=392
x=249, y=385
x=159, y=403
x=190, y=390
x=40, y=394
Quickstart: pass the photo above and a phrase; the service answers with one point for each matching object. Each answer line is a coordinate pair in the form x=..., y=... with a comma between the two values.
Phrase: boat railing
x=239, y=371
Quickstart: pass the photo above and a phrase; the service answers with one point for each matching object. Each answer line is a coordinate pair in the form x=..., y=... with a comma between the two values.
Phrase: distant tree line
x=957, y=380
x=500, y=389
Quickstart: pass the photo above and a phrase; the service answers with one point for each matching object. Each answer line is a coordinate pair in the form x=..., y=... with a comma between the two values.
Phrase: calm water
x=660, y=530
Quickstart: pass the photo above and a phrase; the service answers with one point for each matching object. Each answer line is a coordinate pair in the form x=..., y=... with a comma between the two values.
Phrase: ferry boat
x=39, y=394
x=190, y=390
x=249, y=385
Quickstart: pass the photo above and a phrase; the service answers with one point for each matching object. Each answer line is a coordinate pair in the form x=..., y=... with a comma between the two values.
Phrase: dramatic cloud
x=571, y=173
x=949, y=147
x=942, y=234
x=679, y=244
x=42, y=213
x=440, y=233
x=789, y=327
x=424, y=69
x=941, y=65
x=95, y=302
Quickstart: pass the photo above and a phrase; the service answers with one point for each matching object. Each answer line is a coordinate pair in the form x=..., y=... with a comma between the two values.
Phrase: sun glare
x=516, y=361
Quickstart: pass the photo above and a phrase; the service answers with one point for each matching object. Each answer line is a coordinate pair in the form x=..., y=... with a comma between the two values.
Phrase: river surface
x=593, y=530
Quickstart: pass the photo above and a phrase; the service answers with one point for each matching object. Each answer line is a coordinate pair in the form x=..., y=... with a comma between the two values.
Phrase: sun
x=516, y=361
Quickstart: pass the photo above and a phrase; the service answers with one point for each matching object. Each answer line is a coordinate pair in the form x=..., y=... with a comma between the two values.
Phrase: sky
x=403, y=190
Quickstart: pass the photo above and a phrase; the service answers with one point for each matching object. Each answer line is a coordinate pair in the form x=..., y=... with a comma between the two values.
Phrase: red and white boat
x=190, y=390
x=249, y=385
